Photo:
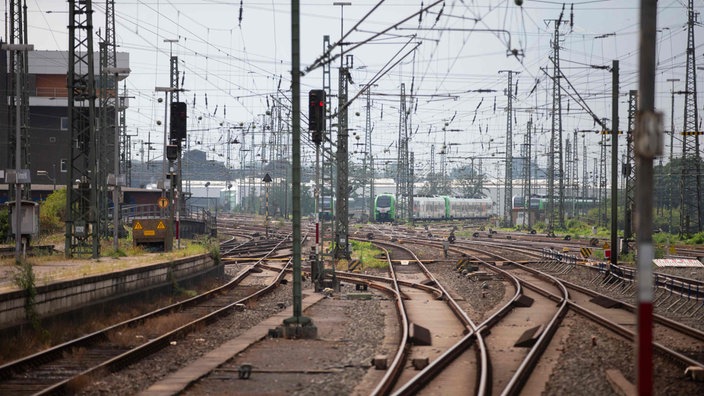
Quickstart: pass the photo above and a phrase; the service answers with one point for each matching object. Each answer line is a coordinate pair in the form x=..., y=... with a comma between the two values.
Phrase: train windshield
x=383, y=200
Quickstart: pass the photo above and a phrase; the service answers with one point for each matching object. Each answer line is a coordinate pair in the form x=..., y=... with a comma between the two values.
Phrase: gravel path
x=358, y=338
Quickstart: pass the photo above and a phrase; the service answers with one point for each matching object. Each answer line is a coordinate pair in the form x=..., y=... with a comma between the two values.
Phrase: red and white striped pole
x=647, y=145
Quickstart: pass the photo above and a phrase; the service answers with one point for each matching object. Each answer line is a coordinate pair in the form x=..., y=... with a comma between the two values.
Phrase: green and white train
x=434, y=208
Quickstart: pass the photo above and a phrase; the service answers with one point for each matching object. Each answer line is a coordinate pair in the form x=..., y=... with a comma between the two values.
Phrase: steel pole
x=648, y=138
x=18, y=165
x=614, y=163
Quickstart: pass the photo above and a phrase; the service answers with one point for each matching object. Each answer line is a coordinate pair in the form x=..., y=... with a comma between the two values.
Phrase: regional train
x=384, y=208
x=540, y=203
x=434, y=208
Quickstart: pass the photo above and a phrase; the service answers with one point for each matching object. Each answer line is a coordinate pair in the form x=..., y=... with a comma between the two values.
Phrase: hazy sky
x=237, y=54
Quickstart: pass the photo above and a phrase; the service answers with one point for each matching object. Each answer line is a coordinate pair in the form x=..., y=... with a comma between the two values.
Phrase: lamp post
x=19, y=48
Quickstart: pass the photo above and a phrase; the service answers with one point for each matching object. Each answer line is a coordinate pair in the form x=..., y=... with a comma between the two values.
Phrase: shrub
x=4, y=223
x=52, y=212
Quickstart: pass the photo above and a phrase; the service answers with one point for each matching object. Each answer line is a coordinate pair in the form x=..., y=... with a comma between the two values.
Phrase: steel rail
x=123, y=359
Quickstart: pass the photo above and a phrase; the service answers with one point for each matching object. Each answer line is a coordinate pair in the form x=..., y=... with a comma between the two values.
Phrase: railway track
x=483, y=357
x=60, y=369
x=605, y=317
x=438, y=331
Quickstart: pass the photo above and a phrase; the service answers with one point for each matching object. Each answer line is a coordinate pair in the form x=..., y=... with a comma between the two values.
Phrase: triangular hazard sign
x=137, y=226
x=160, y=226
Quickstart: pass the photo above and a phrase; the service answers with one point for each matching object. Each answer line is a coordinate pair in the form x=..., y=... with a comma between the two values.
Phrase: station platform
x=62, y=285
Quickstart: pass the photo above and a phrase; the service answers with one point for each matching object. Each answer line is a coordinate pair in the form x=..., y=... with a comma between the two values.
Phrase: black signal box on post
x=178, y=121
x=316, y=114
x=172, y=152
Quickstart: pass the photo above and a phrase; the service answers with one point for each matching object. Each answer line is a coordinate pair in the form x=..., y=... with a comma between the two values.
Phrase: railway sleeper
x=380, y=362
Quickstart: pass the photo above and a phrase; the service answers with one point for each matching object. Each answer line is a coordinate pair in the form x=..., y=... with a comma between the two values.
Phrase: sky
x=452, y=59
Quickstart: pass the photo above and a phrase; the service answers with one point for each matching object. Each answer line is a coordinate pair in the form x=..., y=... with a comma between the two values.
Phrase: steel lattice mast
x=526, y=153
x=108, y=114
x=367, y=158
x=342, y=198
x=81, y=190
x=629, y=170
x=402, y=158
x=508, y=177
x=555, y=168
x=19, y=109
x=691, y=180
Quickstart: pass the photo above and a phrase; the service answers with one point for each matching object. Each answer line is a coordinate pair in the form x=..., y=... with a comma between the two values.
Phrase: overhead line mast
x=556, y=213
x=17, y=81
x=81, y=189
x=691, y=217
x=508, y=180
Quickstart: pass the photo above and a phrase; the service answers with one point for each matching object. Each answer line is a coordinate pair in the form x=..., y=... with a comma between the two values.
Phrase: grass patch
x=366, y=253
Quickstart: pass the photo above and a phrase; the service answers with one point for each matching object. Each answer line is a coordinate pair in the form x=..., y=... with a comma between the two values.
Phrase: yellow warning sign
x=606, y=245
x=137, y=225
x=672, y=250
x=149, y=232
x=163, y=202
x=160, y=226
x=586, y=252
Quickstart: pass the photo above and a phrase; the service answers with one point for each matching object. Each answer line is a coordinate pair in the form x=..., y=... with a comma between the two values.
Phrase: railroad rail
x=56, y=370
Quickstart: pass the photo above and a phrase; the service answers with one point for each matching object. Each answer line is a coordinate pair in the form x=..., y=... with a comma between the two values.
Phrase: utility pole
x=402, y=158
x=102, y=137
x=568, y=170
x=18, y=50
x=19, y=147
x=555, y=168
x=585, y=167
x=297, y=326
x=629, y=171
x=366, y=159
x=603, y=196
x=574, y=173
x=108, y=150
x=325, y=185
x=527, y=171
x=508, y=177
x=671, y=195
x=691, y=217
x=342, y=250
x=614, y=162
x=125, y=148
x=81, y=190
x=411, y=181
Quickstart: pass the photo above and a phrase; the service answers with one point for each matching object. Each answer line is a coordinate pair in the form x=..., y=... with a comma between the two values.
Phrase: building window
x=64, y=165
x=52, y=139
x=64, y=123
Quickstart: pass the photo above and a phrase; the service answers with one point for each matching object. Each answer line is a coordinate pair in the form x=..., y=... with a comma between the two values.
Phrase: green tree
x=52, y=212
x=470, y=182
x=4, y=223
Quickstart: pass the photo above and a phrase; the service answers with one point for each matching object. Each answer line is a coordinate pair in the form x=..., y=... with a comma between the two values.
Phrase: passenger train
x=434, y=208
x=540, y=203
